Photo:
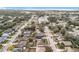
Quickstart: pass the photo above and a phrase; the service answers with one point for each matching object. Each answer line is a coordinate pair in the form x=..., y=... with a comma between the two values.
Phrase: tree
x=68, y=36
x=4, y=42
x=10, y=48
x=30, y=40
x=63, y=31
x=60, y=45
x=52, y=19
x=45, y=41
x=56, y=29
x=0, y=33
x=73, y=22
x=0, y=46
x=59, y=26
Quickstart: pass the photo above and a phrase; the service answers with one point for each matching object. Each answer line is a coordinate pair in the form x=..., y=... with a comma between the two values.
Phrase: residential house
x=26, y=33
x=39, y=35
x=4, y=37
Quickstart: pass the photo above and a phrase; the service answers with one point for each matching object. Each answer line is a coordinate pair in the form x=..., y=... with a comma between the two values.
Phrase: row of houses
x=67, y=44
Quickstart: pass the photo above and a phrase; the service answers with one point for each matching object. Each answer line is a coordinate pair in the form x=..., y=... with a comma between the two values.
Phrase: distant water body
x=40, y=8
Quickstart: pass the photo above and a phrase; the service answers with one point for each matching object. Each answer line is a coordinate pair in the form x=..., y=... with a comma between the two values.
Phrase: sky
x=40, y=8
x=37, y=3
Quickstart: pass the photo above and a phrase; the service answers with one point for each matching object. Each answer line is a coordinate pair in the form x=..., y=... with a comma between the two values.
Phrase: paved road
x=50, y=38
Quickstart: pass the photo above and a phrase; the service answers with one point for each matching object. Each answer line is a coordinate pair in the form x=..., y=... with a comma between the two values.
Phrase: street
x=50, y=38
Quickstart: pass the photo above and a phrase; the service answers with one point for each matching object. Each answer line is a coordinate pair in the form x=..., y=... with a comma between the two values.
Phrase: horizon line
x=39, y=8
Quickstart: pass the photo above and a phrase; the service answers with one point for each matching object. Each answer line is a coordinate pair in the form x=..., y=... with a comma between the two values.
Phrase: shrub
x=60, y=45
x=48, y=49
